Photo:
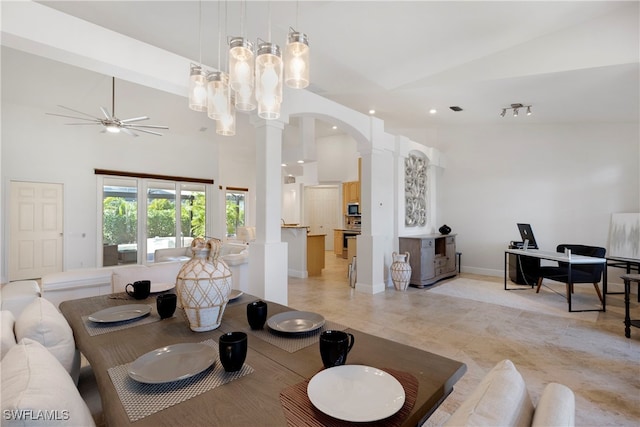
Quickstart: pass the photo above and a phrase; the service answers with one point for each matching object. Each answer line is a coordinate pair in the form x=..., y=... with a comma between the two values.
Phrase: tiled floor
x=587, y=352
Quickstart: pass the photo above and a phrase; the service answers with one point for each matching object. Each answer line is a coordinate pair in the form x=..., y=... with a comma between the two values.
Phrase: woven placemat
x=299, y=411
x=141, y=400
x=293, y=342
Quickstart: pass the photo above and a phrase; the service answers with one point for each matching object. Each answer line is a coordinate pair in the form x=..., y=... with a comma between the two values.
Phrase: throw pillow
x=501, y=399
x=42, y=322
x=37, y=391
x=6, y=332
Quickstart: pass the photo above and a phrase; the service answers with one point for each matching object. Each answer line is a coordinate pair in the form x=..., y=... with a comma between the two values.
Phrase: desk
x=254, y=398
x=560, y=257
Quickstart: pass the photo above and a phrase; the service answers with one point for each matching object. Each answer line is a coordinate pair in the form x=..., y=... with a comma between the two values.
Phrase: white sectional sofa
x=40, y=363
x=87, y=282
x=502, y=399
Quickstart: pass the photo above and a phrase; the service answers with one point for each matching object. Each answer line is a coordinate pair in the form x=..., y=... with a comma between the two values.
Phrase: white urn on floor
x=203, y=285
x=400, y=271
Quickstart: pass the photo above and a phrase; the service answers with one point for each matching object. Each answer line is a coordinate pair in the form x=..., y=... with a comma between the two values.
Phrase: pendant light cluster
x=255, y=78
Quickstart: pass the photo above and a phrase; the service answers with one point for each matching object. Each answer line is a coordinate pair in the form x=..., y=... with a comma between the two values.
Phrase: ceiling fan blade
x=79, y=124
x=129, y=132
x=76, y=111
x=105, y=112
x=145, y=131
x=72, y=117
x=135, y=119
x=147, y=126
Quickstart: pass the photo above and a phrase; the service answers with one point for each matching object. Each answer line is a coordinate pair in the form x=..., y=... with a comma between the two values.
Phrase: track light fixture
x=516, y=109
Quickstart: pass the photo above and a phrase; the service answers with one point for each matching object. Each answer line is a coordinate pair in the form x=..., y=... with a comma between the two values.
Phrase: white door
x=36, y=229
x=322, y=211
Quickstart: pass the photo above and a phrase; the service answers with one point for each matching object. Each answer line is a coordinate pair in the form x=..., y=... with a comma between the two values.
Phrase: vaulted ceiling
x=574, y=61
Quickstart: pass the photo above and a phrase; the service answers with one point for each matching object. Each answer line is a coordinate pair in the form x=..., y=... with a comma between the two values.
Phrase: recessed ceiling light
x=372, y=111
x=283, y=165
x=433, y=111
x=300, y=161
x=334, y=127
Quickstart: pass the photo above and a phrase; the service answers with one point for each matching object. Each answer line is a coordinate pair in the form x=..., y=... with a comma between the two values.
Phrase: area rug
x=551, y=300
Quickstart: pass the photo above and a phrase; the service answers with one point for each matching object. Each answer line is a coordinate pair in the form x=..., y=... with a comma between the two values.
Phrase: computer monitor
x=527, y=234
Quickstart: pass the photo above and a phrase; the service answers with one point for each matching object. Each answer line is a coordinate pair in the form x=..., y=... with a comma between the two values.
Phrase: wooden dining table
x=251, y=399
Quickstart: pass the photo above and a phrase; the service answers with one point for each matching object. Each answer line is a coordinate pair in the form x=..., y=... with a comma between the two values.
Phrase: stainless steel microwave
x=353, y=209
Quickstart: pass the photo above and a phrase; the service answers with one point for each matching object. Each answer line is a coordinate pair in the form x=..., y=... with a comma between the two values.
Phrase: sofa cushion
x=557, y=407
x=501, y=399
x=81, y=278
x=37, y=391
x=6, y=332
x=42, y=322
x=15, y=296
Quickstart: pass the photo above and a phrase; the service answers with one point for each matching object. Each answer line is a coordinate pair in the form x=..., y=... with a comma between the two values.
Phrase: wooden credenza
x=433, y=257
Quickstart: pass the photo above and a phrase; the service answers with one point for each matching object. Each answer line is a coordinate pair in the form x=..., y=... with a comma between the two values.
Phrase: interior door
x=36, y=229
x=322, y=211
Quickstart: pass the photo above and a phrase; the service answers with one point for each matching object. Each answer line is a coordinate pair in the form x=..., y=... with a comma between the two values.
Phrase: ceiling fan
x=110, y=122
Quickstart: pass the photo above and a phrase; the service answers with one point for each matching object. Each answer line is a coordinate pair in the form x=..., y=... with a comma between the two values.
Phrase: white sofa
x=502, y=399
x=87, y=282
x=40, y=364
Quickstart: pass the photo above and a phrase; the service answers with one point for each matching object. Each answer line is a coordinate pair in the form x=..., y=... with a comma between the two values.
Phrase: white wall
x=41, y=148
x=565, y=180
x=337, y=159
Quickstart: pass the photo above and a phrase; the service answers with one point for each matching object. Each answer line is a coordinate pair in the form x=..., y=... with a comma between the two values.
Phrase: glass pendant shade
x=269, y=81
x=296, y=59
x=241, y=73
x=217, y=95
x=197, y=89
x=226, y=126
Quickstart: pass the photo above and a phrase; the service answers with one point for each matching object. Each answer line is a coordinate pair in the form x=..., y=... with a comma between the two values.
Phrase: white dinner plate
x=120, y=313
x=295, y=322
x=161, y=287
x=172, y=363
x=356, y=393
x=235, y=293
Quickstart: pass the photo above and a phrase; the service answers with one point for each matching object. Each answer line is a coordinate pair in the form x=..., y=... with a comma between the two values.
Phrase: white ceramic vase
x=400, y=271
x=203, y=285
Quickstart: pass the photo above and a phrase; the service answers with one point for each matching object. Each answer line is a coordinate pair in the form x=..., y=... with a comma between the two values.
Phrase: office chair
x=580, y=273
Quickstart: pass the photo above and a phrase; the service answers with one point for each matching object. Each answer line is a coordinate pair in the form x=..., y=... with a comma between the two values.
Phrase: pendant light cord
x=219, y=36
x=113, y=96
x=200, y=32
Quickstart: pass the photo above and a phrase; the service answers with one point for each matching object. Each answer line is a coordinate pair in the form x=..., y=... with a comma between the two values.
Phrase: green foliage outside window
x=161, y=218
x=120, y=221
x=235, y=212
x=120, y=218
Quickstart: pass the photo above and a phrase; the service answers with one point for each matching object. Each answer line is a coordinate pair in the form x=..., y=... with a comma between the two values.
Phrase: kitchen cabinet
x=432, y=257
x=315, y=254
x=350, y=194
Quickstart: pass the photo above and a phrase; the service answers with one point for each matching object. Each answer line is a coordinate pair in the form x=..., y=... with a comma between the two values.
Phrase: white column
x=268, y=254
x=377, y=194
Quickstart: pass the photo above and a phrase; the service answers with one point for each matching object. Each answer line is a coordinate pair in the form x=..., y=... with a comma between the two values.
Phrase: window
x=140, y=215
x=235, y=210
x=119, y=221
